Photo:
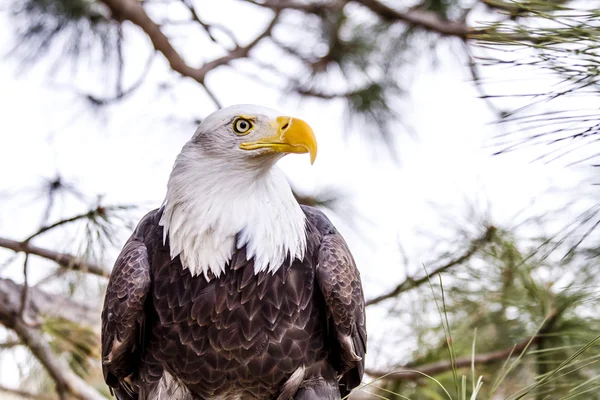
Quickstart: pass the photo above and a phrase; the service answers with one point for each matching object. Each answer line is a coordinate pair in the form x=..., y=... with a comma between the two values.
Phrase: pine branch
x=67, y=382
x=411, y=283
x=428, y=20
x=67, y=261
x=411, y=372
x=437, y=368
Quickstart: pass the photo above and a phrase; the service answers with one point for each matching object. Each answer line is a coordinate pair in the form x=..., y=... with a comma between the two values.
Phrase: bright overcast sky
x=126, y=151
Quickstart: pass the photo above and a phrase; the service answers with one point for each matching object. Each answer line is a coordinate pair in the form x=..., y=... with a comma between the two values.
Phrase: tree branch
x=45, y=304
x=411, y=283
x=133, y=11
x=408, y=372
x=10, y=345
x=67, y=382
x=24, y=394
x=65, y=379
x=424, y=19
x=311, y=8
x=122, y=93
x=67, y=261
x=428, y=20
x=208, y=27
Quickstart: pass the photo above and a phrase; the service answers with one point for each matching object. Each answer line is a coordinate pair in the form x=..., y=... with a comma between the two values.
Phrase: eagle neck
x=215, y=207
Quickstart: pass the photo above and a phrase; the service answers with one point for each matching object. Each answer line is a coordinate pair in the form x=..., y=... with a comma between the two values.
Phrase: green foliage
x=557, y=40
x=506, y=296
x=79, y=344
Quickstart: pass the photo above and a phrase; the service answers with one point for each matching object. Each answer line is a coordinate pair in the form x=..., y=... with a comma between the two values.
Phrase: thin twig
x=67, y=261
x=122, y=93
x=133, y=11
x=428, y=20
x=25, y=295
x=212, y=96
x=62, y=222
x=207, y=27
x=409, y=372
x=411, y=283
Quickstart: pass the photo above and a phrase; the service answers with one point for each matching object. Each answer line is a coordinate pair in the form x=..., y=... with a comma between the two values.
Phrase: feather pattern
x=256, y=210
x=241, y=335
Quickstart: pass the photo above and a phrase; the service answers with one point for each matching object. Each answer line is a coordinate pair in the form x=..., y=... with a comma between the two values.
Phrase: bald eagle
x=232, y=290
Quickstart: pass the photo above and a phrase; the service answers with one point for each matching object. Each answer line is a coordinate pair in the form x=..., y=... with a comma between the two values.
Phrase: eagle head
x=225, y=192
x=254, y=135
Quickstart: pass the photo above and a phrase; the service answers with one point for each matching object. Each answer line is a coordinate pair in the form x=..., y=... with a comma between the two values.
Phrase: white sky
x=126, y=152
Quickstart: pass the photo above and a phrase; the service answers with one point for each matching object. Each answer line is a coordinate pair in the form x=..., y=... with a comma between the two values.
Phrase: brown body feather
x=300, y=330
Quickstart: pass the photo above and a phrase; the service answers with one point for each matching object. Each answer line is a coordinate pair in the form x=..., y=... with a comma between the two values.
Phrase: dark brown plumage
x=296, y=333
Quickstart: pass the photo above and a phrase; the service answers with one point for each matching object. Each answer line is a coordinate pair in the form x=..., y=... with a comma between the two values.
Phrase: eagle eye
x=242, y=126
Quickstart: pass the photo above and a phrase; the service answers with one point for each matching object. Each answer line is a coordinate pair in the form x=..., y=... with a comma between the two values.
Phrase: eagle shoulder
x=123, y=314
x=339, y=281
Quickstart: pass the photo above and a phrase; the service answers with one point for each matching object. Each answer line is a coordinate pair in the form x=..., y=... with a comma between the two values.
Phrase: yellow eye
x=242, y=126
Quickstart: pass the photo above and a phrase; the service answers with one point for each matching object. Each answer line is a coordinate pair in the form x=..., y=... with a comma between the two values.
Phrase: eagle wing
x=339, y=282
x=123, y=315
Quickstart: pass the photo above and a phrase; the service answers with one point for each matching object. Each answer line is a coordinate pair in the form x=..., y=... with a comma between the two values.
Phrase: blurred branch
x=477, y=82
x=25, y=294
x=9, y=345
x=24, y=394
x=65, y=221
x=436, y=368
x=411, y=283
x=133, y=11
x=311, y=8
x=45, y=304
x=207, y=27
x=122, y=93
x=425, y=19
x=67, y=261
x=67, y=382
x=421, y=18
x=411, y=372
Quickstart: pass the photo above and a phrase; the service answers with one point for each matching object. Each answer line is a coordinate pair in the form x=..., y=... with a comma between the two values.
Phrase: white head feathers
x=221, y=198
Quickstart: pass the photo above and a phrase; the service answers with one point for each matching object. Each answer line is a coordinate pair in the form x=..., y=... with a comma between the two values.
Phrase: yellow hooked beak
x=293, y=136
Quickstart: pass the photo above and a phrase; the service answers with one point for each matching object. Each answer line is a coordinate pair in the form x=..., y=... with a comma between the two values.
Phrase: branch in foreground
x=437, y=368
x=67, y=261
x=41, y=303
x=411, y=283
x=25, y=395
x=65, y=379
x=67, y=382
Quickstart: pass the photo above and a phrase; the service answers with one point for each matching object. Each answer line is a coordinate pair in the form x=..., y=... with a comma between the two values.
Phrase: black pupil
x=243, y=125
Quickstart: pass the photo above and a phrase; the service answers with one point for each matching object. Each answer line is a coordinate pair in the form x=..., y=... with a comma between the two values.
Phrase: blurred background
x=458, y=155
